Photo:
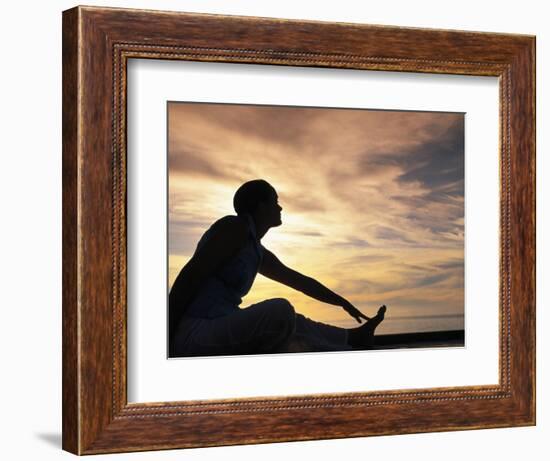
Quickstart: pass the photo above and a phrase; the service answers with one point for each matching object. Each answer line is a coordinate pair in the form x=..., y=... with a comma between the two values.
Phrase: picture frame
x=97, y=44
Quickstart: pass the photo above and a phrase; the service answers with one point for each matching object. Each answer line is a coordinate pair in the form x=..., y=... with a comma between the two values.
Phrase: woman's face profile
x=271, y=210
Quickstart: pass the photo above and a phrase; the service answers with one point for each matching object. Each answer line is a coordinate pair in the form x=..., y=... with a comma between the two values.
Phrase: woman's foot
x=363, y=337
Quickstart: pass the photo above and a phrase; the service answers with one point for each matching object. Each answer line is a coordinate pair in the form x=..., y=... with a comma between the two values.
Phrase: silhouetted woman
x=204, y=313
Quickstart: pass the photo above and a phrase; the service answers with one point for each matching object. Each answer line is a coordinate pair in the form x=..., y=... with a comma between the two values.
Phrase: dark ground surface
x=454, y=338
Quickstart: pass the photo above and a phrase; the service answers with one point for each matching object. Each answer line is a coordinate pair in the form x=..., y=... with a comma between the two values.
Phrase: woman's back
x=222, y=291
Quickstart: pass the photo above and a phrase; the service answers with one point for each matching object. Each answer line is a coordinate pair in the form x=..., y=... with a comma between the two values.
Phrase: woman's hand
x=354, y=312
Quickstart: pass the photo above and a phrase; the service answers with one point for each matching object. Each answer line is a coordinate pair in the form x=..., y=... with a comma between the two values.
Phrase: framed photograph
x=279, y=230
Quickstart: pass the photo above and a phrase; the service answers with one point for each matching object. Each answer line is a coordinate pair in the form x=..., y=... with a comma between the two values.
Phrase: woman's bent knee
x=285, y=314
x=284, y=307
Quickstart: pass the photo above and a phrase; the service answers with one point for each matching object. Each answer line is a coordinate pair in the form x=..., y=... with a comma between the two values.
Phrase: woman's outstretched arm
x=274, y=269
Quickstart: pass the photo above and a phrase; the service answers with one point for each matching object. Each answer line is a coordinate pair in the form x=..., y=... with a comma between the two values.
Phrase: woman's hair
x=251, y=193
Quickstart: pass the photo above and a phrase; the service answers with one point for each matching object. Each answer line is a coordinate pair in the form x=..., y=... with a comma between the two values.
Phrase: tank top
x=222, y=293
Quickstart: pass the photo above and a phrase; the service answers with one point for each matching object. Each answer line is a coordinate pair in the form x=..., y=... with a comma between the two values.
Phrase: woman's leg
x=313, y=336
x=273, y=326
x=259, y=328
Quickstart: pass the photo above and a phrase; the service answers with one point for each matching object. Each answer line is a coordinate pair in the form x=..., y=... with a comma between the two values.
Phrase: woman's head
x=259, y=199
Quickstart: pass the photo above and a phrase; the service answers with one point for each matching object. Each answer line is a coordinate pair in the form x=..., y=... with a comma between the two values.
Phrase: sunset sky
x=373, y=202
